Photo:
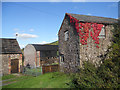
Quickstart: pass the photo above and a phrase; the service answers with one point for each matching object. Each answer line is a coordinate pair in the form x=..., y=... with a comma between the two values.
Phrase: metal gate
x=14, y=65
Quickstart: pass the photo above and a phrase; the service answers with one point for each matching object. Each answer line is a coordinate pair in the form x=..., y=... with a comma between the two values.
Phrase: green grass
x=54, y=64
x=48, y=80
x=8, y=77
x=18, y=78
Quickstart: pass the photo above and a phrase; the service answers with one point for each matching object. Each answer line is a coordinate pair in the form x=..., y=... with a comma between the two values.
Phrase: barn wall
x=0, y=65
x=48, y=60
x=53, y=53
x=48, y=53
x=6, y=62
x=91, y=52
x=48, y=57
x=20, y=62
x=70, y=49
x=37, y=58
x=75, y=53
x=30, y=56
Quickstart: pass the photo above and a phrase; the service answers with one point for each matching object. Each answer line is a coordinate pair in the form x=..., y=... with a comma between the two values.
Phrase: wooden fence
x=50, y=68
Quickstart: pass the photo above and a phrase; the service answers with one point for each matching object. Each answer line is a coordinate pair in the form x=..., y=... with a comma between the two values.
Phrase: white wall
x=29, y=56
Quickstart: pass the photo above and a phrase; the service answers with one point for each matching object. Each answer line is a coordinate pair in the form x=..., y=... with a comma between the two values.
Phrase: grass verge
x=48, y=80
x=8, y=77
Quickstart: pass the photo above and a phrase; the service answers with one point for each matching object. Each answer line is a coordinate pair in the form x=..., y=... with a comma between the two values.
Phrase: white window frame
x=66, y=35
x=102, y=33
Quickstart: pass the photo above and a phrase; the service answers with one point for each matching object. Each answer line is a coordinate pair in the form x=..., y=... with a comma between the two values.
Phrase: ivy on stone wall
x=83, y=30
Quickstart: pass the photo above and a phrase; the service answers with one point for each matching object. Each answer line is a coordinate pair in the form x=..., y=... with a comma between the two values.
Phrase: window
x=66, y=35
x=102, y=33
x=62, y=58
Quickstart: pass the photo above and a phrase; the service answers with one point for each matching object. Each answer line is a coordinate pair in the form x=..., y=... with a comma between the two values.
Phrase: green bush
x=92, y=77
x=87, y=77
x=105, y=76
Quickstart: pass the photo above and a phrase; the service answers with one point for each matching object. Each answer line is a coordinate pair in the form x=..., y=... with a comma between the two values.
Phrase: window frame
x=104, y=33
x=66, y=35
x=62, y=59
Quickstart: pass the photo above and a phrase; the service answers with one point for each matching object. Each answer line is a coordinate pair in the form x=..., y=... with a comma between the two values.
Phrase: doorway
x=14, y=65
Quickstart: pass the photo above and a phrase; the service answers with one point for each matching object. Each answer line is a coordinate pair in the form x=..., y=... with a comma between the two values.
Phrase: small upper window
x=62, y=58
x=66, y=35
x=102, y=33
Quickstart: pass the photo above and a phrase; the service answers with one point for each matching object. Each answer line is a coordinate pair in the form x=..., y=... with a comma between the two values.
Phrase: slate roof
x=9, y=46
x=40, y=47
x=95, y=19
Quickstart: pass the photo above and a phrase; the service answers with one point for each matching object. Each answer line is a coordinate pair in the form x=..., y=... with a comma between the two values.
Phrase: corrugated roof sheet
x=40, y=47
x=9, y=46
x=95, y=19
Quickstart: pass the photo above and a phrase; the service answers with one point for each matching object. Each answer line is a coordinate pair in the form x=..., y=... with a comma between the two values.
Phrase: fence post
x=50, y=68
x=41, y=70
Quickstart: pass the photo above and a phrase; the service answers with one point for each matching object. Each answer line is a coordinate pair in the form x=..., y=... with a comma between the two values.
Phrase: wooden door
x=14, y=65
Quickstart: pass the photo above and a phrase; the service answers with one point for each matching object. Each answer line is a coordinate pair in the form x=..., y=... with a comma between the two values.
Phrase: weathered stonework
x=36, y=55
x=30, y=56
x=93, y=54
x=75, y=53
x=6, y=62
x=10, y=56
x=46, y=60
x=70, y=48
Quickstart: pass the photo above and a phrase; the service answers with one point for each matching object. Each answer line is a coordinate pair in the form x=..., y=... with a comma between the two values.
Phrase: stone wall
x=0, y=65
x=48, y=57
x=30, y=56
x=36, y=58
x=75, y=53
x=93, y=54
x=48, y=60
x=70, y=49
x=6, y=62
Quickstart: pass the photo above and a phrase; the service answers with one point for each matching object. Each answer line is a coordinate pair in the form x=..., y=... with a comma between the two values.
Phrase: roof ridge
x=41, y=44
x=91, y=16
x=9, y=38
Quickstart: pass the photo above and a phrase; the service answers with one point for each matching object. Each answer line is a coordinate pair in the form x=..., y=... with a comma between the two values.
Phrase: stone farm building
x=11, y=56
x=83, y=38
x=35, y=54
